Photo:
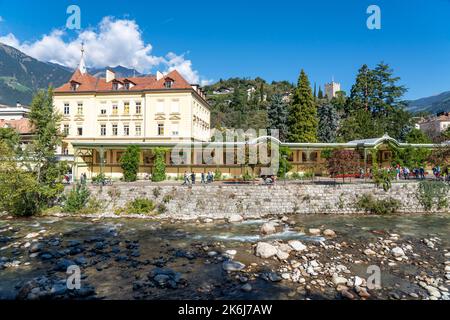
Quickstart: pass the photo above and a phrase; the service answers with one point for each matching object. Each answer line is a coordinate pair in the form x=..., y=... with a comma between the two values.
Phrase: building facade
x=16, y=112
x=123, y=111
x=435, y=125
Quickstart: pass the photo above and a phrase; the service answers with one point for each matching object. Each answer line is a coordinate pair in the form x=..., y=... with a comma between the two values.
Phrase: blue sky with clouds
x=209, y=40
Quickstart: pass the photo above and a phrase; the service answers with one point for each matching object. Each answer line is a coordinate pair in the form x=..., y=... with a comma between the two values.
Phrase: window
x=126, y=108
x=103, y=130
x=160, y=129
x=114, y=130
x=160, y=106
x=80, y=109
x=126, y=130
x=175, y=107
x=115, y=86
x=168, y=84
x=115, y=109
x=66, y=109
x=73, y=86
x=175, y=129
x=126, y=86
x=66, y=130
x=103, y=111
x=80, y=131
x=138, y=108
x=138, y=130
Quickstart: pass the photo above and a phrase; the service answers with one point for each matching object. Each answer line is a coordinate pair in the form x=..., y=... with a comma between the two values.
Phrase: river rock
x=447, y=269
x=265, y=250
x=231, y=265
x=36, y=247
x=282, y=255
x=314, y=231
x=434, y=292
x=347, y=294
x=235, y=218
x=32, y=235
x=369, y=252
x=268, y=228
x=337, y=280
x=329, y=233
x=397, y=252
x=246, y=287
x=297, y=245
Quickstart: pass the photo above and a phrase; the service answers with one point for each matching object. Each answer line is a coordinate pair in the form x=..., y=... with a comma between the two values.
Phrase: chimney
x=159, y=75
x=110, y=75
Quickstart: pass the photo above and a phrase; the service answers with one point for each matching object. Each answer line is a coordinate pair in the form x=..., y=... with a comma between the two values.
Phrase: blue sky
x=270, y=39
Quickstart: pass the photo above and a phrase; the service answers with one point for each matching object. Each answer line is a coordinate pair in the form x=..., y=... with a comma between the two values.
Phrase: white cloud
x=113, y=42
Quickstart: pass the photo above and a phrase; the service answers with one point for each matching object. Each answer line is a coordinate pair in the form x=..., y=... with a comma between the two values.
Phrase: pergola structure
x=96, y=156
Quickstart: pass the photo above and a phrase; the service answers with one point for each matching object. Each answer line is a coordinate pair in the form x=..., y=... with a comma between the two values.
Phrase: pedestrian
x=186, y=178
x=193, y=177
x=203, y=178
x=422, y=173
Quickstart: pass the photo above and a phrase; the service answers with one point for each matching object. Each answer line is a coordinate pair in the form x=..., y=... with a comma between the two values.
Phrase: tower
x=331, y=88
x=82, y=64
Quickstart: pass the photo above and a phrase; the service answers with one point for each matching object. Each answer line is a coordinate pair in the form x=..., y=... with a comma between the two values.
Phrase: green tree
x=362, y=91
x=129, y=162
x=320, y=94
x=284, y=165
x=19, y=189
x=277, y=115
x=159, y=171
x=328, y=122
x=9, y=136
x=41, y=156
x=302, y=117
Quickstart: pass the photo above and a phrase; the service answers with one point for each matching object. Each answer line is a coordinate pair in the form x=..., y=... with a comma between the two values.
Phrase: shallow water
x=162, y=240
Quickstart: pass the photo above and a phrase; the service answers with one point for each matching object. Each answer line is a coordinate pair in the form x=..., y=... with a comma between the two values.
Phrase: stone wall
x=253, y=201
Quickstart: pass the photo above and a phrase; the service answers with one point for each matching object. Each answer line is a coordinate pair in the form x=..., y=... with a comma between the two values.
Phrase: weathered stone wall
x=253, y=201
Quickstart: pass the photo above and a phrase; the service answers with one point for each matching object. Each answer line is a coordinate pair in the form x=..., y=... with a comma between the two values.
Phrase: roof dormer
x=168, y=83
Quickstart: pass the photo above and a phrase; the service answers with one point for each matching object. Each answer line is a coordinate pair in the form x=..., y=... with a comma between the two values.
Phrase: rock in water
x=265, y=250
x=329, y=233
x=337, y=280
x=314, y=231
x=233, y=265
x=246, y=287
x=268, y=228
x=235, y=218
x=297, y=245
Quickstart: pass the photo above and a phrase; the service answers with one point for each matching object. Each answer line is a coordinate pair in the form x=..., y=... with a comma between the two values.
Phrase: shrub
x=343, y=162
x=383, y=178
x=139, y=206
x=159, y=172
x=76, y=199
x=129, y=162
x=157, y=192
x=217, y=175
x=247, y=176
x=433, y=194
x=99, y=178
x=167, y=198
x=369, y=204
x=161, y=208
x=296, y=176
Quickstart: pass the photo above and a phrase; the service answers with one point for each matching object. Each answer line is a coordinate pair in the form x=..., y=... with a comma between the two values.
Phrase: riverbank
x=293, y=257
x=237, y=202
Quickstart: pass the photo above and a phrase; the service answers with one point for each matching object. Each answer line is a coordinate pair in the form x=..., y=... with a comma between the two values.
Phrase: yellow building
x=156, y=109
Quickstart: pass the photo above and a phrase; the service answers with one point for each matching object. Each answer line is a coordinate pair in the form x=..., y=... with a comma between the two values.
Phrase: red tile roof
x=22, y=126
x=88, y=83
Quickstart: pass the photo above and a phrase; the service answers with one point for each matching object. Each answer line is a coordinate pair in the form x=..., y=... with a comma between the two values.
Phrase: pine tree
x=328, y=123
x=320, y=94
x=277, y=115
x=302, y=117
x=362, y=91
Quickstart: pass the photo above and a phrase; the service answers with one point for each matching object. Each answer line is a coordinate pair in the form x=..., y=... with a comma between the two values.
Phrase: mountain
x=21, y=75
x=433, y=104
x=121, y=72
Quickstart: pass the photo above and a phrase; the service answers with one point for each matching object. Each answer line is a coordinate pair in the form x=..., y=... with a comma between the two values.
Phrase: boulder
x=314, y=231
x=231, y=265
x=397, y=252
x=268, y=228
x=235, y=218
x=329, y=233
x=265, y=250
x=297, y=245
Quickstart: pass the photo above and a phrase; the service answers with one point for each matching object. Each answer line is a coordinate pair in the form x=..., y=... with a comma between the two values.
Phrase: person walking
x=203, y=178
x=186, y=178
x=193, y=177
